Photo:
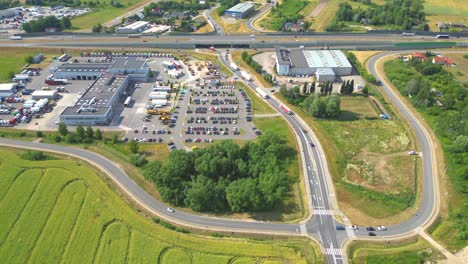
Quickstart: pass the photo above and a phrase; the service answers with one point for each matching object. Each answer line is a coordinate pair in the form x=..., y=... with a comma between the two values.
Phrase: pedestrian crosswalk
x=303, y=229
x=323, y=212
x=334, y=251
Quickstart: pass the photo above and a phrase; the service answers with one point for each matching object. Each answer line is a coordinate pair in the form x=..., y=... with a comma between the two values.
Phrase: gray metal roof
x=101, y=91
x=241, y=7
x=326, y=58
x=283, y=56
x=127, y=63
x=325, y=71
x=83, y=67
x=297, y=58
x=85, y=111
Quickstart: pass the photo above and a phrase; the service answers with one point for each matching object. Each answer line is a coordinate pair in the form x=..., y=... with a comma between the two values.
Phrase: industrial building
x=134, y=28
x=8, y=13
x=295, y=62
x=137, y=69
x=325, y=75
x=7, y=89
x=240, y=10
x=96, y=106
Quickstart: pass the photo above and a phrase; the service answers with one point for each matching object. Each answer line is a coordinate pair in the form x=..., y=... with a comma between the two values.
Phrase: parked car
x=370, y=228
x=381, y=228
x=340, y=227
x=372, y=234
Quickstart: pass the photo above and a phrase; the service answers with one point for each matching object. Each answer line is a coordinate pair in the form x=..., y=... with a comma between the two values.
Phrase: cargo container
x=262, y=93
x=286, y=109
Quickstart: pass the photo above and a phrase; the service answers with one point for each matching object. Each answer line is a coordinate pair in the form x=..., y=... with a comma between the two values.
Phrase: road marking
x=334, y=251
x=323, y=212
x=303, y=229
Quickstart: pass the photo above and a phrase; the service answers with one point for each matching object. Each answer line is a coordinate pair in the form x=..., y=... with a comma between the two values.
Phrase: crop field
x=62, y=211
x=460, y=71
x=104, y=13
x=368, y=160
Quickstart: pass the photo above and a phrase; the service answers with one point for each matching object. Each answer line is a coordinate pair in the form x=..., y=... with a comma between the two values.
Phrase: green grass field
x=62, y=211
x=101, y=15
x=259, y=106
x=377, y=253
x=445, y=11
x=367, y=159
x=13, y=59
x=288, y=9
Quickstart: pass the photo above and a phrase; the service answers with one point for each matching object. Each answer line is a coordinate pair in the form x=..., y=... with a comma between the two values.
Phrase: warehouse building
x=135, y=68
x=8, y=13
x=96, y=106
x=240, y=10
x=294, y=62
x=7, y=89
x=325, y=74
x=134, y=28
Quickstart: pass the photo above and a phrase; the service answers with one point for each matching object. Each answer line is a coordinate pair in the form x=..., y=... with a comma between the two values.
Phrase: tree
x=312, y=88
x=365, y=90
x=304, y=88
x=138, y=160
x=133, y=146
x=351, y=87
x=98, y=134
x=115, y=139
x=412, y=87
x=29, y=59
x=460, y=144
x=11, y=75
x=97, y=28
x=343, y=88
x=89, y=132
x=332, y=106
x=70, y=139
x=66, y=23
x=62, y=129
x=244, y=195
x=317, y=108
x=80, y=132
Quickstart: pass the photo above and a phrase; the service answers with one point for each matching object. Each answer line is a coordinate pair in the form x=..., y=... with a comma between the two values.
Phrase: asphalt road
x=322, y=225
x=250, y=22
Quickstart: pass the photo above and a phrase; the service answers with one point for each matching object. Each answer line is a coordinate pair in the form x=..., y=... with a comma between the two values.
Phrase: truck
x=128, y=101
x=53, y=81
x=14, y=37
x=234, y=66
x=286, y=109
x=157, y=95
x=262, y=93
x=246, y=76
x=21, y=77
x=407, y=34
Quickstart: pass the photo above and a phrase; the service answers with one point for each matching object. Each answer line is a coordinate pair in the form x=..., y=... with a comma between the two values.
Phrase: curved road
x=323, y=225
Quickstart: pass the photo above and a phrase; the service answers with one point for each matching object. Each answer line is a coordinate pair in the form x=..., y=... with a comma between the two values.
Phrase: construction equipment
x=158, y=112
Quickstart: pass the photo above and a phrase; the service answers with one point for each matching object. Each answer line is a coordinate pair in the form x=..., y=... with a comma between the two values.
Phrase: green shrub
x=35, y=155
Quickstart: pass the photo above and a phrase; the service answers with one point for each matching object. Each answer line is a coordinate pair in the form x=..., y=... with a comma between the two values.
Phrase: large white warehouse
x=294, y=62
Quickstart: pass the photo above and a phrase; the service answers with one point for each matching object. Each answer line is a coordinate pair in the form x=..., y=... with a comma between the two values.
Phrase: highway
x=322, y=225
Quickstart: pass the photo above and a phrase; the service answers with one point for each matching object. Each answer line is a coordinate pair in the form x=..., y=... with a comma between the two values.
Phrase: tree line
x=401, y=14
x=323, y=104
x=40, y=25
x=247, y=58
x=4, y=4
x=224, y=5
x=225, y=177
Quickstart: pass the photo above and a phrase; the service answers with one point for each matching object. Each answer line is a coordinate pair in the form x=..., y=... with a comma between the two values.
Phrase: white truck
x=15, y=37
x=234, y=66
x=21, y=77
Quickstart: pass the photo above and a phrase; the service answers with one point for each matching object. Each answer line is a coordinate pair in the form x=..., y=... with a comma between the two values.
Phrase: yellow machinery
x=158, y=112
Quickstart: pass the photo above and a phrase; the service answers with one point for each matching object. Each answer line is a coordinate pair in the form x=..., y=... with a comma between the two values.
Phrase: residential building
x=133, y=28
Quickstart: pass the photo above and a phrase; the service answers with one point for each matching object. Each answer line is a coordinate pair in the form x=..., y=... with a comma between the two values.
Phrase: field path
x=318, y=9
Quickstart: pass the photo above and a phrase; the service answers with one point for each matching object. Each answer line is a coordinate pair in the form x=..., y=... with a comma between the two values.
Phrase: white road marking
x=323, y=212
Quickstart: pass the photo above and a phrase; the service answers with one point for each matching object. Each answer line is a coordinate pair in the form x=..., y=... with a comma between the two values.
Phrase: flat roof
x=326, y=58
x=136, y=25
x=101, y=91
x=44, y=93
x=241, y=7
x=83, y=67
x=297, y=58
x=127, y=63
x=7, y=86
x=85, y=111
x=283, y=56
x=325, y=71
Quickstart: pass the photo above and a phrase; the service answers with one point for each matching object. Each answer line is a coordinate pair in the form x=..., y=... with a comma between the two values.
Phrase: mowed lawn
x=367, y=159
x=13, y=59
x=62, y=211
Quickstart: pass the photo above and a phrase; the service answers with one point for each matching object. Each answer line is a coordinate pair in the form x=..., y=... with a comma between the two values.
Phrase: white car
x=353, y=227
x=412, y=152
x=170, y=209
x=381, y=228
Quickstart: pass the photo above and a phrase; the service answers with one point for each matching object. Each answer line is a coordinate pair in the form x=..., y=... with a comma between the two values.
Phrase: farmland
x=445, y=11
x=78, y=219
x=367, y=167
